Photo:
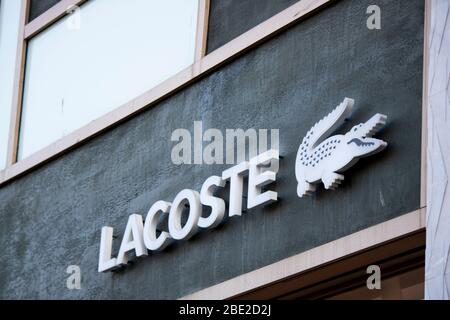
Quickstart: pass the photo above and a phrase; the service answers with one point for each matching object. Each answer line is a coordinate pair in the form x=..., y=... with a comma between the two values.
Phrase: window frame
x=27, y=31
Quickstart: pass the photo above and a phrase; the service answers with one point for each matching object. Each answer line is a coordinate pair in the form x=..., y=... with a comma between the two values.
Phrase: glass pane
x=9, y=32
x=93, y=61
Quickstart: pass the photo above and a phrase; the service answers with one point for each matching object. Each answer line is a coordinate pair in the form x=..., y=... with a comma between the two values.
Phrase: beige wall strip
x=426, y=61
x=313, y=258
x=208, y=63
x=16, y=106
x=202, y=29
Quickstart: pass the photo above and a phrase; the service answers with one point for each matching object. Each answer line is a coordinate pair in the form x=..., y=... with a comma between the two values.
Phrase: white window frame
x=28, y=30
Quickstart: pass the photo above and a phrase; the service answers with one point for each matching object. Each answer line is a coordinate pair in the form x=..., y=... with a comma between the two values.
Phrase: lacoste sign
x=140, y=237
x=320, y=158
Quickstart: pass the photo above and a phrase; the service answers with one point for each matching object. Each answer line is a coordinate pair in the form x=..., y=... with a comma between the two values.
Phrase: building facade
x=224, y=149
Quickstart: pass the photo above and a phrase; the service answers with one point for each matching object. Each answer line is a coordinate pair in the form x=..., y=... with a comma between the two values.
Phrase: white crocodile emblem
x=323, y=158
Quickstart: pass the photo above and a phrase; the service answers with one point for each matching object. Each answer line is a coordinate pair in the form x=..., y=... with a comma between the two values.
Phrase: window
x=98, y=58
x=9, y=36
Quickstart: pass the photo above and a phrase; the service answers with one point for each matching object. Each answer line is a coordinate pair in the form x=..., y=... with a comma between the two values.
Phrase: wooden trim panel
x=224, y=54
x=324, y=254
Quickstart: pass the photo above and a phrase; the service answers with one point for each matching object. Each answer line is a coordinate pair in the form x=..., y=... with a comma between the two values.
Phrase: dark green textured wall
x=38, y=7
x=230, y=18
x=52, y=217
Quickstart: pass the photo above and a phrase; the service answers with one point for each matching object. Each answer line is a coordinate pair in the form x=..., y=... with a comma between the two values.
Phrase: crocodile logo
x=322, y=158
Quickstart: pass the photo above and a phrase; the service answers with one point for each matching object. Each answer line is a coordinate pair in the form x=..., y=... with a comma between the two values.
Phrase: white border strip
x=326, y=253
